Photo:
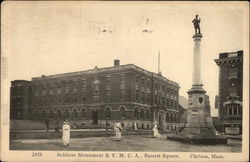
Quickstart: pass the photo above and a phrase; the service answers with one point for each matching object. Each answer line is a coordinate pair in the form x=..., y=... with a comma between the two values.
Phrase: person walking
x=156, y=133
x=118, y=130
x=65, y=133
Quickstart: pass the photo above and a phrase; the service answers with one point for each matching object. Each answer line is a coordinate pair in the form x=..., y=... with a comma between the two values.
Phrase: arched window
x=148, y=115
x=123, y=112
x=108, y=112
x=136, y=114
x=96, y=85
x=66, y=113
x=83, y=112
x=171, y=118
x=167, y=117
x=59, y=114
x=74, y=113
x=175, y=118
x=142, y=113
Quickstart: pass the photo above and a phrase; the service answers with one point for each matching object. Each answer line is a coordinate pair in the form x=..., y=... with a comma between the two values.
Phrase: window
x=83, y=97
x=96, y=99
x=84, y=85
x=156, y=98
x=74, y=113
x=136, y=79
x=66, y=113
x=59, y=85
x=148, y=97
x=232, y=91
x=142, y=96
x=96, y=86
x=75, y=98
x=51, y=115
x=59, y=114
x=122, y=79
x=230, y=112
x=167, y=118
x=108, y=112
x=43, y=114
x=142, y=114
x=235, y=110
x=123, y=112
x=108, y=83
x=136, y=114
x=123, y=94
x=122, y=85
x=148, y=115
x=83, y=112
x=233, y=72
x=137, y=95
x=171, y=118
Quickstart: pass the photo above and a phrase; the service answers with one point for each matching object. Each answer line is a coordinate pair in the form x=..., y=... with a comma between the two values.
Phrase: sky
x=45, y=38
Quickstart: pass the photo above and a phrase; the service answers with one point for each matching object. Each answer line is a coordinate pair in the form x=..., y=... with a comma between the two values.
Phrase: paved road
x=129, y=143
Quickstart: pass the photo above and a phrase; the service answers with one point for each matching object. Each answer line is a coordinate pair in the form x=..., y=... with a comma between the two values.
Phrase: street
x=128, y=143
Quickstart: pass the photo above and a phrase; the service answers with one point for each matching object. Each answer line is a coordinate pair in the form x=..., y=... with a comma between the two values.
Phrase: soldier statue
x=196, y=23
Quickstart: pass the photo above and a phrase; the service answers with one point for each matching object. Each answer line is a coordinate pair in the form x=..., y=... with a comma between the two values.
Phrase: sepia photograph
x=128, y=81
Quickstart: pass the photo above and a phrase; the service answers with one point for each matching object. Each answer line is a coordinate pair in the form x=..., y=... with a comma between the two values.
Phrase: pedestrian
x=135, y=125
x=156, y=133
x=118, y=130
x=65, y=133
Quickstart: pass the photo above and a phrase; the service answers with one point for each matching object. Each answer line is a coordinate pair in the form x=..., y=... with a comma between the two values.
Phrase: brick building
x=121, y=92
x=20, y=99
x=230, y=91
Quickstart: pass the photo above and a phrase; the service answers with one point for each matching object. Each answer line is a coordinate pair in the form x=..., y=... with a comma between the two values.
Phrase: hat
x=65, y=122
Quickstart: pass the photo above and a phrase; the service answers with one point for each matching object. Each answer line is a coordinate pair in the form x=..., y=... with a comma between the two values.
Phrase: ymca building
x=122, y=92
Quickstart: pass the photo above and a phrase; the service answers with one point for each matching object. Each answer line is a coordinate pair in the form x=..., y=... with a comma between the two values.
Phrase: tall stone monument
x=199, y=127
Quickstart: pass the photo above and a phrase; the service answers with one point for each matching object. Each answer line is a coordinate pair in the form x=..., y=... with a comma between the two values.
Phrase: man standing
x=196, y=23
x=65, y=133
x=118, y=130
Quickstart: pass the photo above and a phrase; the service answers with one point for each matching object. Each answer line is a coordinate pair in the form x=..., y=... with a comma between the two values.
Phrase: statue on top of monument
x=196, y=23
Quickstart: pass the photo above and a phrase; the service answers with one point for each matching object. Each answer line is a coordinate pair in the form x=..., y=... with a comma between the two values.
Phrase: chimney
x=116, y=62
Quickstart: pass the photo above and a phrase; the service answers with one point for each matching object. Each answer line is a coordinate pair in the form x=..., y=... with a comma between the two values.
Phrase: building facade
x=122, y=92
x=20, y=99
x=230, y=91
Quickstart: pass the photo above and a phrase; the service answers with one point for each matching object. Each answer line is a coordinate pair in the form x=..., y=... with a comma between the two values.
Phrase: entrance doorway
x=95, y=116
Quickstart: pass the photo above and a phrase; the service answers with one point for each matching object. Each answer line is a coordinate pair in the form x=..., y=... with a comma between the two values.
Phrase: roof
x=97, y=70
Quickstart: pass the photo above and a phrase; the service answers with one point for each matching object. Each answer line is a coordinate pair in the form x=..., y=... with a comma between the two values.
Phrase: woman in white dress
x=156, y=133
x=118, y=130
x=65, y=133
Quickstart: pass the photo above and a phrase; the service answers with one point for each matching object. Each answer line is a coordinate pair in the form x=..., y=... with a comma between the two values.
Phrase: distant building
x=230, y=91
x=20, y=99
x=121, y=92
x=216, y=102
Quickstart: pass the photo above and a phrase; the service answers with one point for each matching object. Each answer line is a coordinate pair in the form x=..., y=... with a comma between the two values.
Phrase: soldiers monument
x=199, y=127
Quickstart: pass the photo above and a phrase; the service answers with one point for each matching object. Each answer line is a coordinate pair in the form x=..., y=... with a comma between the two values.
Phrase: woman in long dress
x=118, y=130
x=65, y=133
x=156, y=133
